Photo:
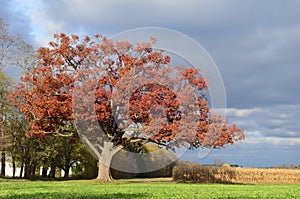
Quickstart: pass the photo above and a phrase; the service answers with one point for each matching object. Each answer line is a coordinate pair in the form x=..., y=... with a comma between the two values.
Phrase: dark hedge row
x=194, y=172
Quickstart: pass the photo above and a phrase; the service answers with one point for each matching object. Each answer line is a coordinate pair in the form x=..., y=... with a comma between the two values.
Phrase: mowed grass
x=140, y=189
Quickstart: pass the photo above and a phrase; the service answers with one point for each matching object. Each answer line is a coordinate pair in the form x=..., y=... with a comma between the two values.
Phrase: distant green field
x=140, y=189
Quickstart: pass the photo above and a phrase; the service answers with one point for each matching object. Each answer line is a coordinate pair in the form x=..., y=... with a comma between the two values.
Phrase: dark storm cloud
x=255, y=44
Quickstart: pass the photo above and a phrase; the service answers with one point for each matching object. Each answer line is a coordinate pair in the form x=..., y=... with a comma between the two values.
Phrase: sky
x=255, y=44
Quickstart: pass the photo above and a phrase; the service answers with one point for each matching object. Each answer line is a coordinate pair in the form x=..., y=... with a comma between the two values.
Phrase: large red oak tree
x=118, y=94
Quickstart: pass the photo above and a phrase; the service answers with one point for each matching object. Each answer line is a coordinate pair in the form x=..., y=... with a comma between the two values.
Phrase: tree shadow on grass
x=79, y=196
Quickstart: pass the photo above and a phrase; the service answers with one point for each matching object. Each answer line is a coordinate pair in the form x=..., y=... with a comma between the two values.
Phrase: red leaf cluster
x=45, y=94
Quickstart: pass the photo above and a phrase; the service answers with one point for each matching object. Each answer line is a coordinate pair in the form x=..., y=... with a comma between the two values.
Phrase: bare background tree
x=14, y=52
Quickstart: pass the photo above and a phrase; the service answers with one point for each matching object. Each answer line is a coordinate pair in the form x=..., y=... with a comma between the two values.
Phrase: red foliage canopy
x=136, y=94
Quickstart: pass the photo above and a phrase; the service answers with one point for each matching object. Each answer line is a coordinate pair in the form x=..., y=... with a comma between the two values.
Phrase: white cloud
x=276, y=122
x=241, y=112
x=273, y=141
x=283, y=115
x=258, y=138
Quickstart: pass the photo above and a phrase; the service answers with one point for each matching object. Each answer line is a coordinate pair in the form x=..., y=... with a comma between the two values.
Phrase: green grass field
x=159, y=188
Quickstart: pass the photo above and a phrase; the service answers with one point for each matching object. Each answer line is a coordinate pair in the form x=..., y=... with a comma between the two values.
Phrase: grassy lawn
x=139, y=188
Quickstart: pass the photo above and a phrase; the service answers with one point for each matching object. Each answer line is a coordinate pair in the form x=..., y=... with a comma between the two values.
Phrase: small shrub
x=226, y=165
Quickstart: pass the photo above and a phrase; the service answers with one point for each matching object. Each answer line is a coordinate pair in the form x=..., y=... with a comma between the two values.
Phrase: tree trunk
x=22, y=168
x=104, y=174
x=67, y=163
x=14, y=156
x=104, y=161
x=3, y=158
x=33, y=169
x=52, y=171
x=44, y=172
x=27, y=169
x=14, y=166
x=2, y=163
x=67, y=172
x=2, y=174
